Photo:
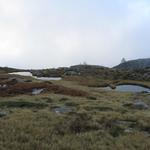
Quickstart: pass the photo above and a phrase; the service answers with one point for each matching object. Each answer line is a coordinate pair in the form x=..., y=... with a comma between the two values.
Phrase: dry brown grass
x=22, y=88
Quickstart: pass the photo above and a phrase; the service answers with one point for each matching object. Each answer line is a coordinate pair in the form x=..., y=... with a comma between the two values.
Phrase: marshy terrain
x=76, y=112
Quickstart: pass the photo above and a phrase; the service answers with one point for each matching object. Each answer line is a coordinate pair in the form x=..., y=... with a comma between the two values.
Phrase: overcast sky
x=53, y=33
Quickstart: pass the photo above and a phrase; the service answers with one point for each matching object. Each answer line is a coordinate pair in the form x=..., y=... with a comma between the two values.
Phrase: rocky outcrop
x=139, y=104
x=134, y=64
x=3, y=114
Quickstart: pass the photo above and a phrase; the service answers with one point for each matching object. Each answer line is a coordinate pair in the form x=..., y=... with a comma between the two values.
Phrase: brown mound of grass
x=26, y=88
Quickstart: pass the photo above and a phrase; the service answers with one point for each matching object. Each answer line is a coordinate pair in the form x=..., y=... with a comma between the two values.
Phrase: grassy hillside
x=95, y=71
x=88, y=70
x=71, y=114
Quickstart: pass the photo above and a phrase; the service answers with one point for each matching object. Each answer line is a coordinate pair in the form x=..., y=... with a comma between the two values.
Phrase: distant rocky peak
x=123, y=60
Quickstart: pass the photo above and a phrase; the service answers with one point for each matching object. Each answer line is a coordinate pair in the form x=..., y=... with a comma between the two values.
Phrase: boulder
x=137, y=105
x=37, y=91
x=112, y=86
x=3, y=114
x=140, y=105
x=4, y=86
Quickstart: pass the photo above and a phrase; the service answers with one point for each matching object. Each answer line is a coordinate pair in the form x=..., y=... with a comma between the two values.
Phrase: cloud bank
x=48, y=33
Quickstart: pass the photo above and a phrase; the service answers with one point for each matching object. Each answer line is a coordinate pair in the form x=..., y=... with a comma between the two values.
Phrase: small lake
x=128, y=88
x=48, y=78
x=29, y=74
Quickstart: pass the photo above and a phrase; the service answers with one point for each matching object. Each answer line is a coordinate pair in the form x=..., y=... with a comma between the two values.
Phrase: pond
x=48, y=78
x=29, y=74
x=128, y=88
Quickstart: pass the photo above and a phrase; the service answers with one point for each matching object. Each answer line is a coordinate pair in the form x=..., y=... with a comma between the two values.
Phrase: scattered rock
x=129, y=130
x=3, y=114
x=2, y=87
x=112, y=86
x=37, y=91
x=137, y=105
x=147, y=134
x=140, y=105
x=63, y=109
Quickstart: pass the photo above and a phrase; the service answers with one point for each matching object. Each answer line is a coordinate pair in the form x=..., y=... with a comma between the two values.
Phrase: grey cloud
x=41, y=34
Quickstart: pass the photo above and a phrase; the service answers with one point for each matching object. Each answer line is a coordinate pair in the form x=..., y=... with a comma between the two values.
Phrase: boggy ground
x=99, y=120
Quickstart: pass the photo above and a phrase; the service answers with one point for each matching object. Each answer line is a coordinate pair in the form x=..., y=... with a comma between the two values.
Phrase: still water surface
x=129, y=88
x=29, y=74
